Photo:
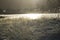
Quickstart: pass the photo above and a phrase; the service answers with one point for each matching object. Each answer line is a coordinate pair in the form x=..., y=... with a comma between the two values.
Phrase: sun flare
x=31, y=16
x=28, y=16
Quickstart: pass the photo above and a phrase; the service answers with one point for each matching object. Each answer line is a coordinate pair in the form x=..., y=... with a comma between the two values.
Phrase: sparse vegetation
x=24, y=29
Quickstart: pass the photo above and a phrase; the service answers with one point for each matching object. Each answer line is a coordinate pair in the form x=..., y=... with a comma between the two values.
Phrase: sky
x=21, y=3
x=18, y=4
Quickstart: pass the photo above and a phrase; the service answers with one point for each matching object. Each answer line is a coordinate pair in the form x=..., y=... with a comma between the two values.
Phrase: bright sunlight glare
x=27, y=16
x=31, y=16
